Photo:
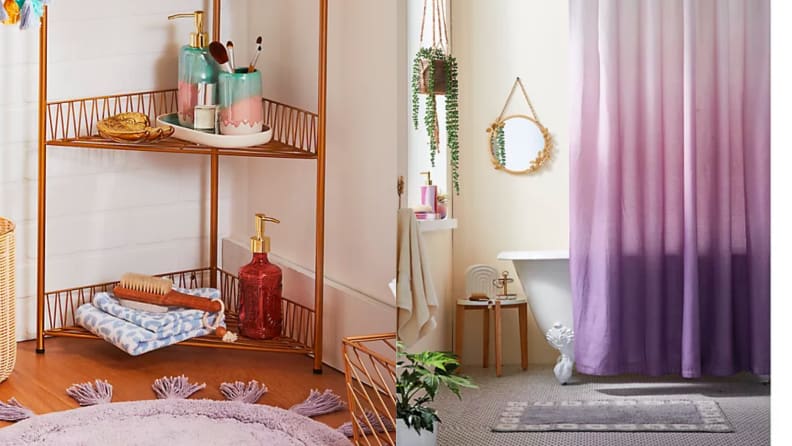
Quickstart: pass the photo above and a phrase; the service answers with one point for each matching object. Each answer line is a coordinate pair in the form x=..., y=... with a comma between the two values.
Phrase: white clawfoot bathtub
x=545, y=280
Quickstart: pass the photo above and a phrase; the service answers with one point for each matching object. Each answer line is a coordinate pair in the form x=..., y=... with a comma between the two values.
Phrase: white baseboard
x=235, y=254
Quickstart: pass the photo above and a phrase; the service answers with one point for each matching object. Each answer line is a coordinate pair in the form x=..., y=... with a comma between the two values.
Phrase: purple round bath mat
x=172, y=422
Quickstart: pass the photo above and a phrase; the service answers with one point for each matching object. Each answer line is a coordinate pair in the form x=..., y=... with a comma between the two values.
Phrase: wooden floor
x=40, y=381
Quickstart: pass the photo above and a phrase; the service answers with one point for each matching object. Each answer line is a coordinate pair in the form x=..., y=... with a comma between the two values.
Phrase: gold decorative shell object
x=132, y=128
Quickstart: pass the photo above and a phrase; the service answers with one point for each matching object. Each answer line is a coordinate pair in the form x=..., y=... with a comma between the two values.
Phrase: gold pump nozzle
x=428, y=177
x=260, y=242
x=200, y=38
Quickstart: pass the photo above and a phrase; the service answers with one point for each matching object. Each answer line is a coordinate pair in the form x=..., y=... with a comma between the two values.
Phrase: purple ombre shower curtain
x=670, y=186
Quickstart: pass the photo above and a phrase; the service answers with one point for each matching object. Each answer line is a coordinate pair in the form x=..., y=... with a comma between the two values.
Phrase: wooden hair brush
x=159, y=291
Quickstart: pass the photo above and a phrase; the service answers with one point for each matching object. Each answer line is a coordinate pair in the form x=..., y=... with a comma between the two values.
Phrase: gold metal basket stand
x=370, y=369
x=7, y=299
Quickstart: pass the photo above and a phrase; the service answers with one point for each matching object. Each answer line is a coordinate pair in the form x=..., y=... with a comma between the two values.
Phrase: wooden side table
x=521, y=305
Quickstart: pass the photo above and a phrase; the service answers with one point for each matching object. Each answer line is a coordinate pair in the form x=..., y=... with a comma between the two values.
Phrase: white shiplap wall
x=108, y=212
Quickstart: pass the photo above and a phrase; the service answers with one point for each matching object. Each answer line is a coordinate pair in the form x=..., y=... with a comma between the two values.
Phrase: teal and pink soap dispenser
x=197, y=71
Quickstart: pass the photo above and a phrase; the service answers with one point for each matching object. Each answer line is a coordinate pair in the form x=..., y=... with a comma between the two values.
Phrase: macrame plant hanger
x=440, y=42
x=439, y=25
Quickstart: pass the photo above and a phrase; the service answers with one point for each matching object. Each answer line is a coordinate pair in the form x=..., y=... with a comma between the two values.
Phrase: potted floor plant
x=421, y=376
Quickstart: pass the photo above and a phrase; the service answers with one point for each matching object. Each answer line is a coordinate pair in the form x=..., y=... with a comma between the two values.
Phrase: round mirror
x=519, y=144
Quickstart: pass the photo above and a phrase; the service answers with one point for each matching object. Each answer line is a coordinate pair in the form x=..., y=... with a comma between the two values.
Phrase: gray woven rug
x=613, y=416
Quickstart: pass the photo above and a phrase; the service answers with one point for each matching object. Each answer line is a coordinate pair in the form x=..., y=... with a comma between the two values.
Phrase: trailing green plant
x=430, y=121
x=421, y=376
x=501, y=139
x=498, y=137
x=452, y=119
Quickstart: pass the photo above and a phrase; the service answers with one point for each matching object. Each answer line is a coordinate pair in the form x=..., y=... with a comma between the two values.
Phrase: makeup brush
x=252, y=66
x=218, y=51
x=230, y=47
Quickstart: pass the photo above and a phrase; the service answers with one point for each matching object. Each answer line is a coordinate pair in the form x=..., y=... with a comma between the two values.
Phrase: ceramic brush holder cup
x=241, y=111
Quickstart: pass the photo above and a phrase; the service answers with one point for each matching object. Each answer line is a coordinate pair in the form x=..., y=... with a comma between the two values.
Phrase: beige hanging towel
x=415, y=293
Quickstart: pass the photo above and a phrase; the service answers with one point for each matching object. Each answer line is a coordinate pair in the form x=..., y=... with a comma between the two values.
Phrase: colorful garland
x=23, y=12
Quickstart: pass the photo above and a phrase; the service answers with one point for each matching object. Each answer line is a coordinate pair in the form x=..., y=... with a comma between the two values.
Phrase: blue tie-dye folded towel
x=137, y=332
x=170, y=322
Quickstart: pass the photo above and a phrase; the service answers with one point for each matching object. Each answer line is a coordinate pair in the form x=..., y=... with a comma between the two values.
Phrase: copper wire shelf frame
x=72, y=123
x=297, y=336
x=370, y=372
x=297, y=134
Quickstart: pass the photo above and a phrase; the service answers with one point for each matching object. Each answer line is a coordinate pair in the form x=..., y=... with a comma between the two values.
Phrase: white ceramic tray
x=215, y=139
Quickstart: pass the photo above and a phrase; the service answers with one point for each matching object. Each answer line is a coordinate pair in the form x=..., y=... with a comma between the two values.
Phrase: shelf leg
x=320, y=189
x=216, y=8
x=215, y=168
x=42, y=183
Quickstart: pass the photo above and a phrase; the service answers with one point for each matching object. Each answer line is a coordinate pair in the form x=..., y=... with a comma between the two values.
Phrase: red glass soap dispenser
x=260, y=289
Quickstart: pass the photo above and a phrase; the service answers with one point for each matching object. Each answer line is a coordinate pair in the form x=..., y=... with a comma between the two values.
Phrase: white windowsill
x=446, y=224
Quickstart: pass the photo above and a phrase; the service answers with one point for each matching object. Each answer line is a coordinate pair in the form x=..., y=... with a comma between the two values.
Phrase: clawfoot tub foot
x=563, y=340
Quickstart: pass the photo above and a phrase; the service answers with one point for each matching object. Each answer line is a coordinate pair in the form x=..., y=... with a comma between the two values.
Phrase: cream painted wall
x=496, y=41
x=366, y=120
x=108, y=211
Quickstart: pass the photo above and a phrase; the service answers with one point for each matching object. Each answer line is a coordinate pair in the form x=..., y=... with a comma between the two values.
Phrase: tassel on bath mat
x=13, y=411
x=91, y=393
x=381, y=424
x=319, y=403
x=246, y=393
x=175, y=387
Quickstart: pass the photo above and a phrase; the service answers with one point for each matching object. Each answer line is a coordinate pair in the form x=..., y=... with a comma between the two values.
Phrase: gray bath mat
x=613, y=416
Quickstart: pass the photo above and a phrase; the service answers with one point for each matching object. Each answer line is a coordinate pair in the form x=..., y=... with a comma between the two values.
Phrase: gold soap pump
x=260, y=289
x=260, y=243
x=200, y=38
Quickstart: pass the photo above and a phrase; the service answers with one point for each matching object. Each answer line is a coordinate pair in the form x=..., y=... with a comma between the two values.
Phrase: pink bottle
x=429, y=194
x=260, y=289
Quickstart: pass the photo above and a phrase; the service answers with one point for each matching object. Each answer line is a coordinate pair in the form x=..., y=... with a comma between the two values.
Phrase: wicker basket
x=7, y=300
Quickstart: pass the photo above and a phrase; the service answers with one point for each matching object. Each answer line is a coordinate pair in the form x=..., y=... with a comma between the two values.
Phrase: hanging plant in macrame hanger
x=434, y=72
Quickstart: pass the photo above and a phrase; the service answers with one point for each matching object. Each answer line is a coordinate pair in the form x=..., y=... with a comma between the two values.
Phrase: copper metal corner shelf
x=298, y=320
x=297, y=134
x=72, y=123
